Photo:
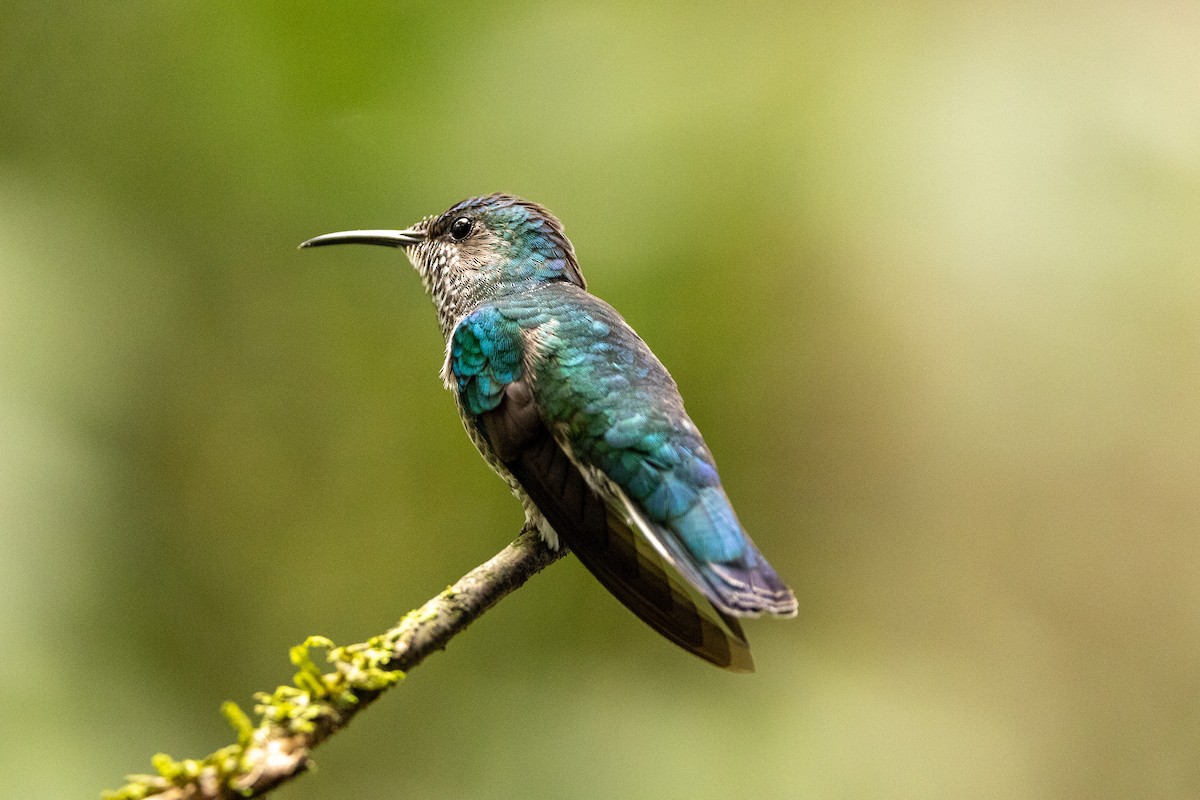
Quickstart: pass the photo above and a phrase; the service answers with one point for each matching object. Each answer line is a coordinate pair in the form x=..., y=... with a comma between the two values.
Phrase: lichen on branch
x=295, y=718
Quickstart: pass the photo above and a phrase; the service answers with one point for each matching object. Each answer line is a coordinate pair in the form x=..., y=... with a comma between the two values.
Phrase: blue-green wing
x=619, y=413
x=490, y=372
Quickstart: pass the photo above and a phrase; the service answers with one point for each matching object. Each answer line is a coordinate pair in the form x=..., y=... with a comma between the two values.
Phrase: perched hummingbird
x=569, y=406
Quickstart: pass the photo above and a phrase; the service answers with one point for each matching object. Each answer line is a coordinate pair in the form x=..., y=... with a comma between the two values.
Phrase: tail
x=709, y=548
x=749, y=586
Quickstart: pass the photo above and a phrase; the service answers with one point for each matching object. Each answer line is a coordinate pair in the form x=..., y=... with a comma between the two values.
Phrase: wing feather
x=603, y=540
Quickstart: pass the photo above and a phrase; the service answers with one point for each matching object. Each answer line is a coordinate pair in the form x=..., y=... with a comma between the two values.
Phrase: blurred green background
x=927, y=276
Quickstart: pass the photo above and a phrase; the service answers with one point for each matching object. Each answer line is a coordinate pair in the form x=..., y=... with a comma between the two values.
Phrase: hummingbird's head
x=480, y=248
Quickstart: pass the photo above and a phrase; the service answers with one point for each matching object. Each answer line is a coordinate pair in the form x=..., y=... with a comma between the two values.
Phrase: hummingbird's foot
x=536, y=523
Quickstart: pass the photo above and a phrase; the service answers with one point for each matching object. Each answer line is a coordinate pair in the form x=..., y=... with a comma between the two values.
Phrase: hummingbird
x=570, y=407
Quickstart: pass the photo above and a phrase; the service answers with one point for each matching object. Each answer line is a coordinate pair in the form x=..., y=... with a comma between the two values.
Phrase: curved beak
x=404, y=238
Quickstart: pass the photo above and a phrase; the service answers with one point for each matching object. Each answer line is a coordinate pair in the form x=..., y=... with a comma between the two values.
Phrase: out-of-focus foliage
x=929, y=280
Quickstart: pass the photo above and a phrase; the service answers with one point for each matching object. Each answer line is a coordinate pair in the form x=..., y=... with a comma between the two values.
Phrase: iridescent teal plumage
x=574, y=411
x=485, y=356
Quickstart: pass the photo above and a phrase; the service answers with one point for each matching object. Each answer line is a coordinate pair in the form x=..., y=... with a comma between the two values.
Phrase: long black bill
x=405, y=238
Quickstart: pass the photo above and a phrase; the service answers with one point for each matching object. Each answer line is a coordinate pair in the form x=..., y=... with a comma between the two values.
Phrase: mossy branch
x=294, y=719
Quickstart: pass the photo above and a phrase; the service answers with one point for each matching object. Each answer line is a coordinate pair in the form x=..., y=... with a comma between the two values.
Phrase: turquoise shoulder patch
x=485, y=356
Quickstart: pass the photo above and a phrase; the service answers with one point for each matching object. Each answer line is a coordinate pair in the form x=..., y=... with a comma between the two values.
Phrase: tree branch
x=295, y=719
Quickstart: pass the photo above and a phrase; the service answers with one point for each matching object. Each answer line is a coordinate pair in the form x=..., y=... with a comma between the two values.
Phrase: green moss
x=238, y=720
x=313, y=697
x=136, y=789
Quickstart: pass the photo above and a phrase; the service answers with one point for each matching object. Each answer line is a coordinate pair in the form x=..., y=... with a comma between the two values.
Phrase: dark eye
x=460, y=228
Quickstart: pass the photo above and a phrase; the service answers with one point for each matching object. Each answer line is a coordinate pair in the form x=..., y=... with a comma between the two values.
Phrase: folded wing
x=496, y=392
